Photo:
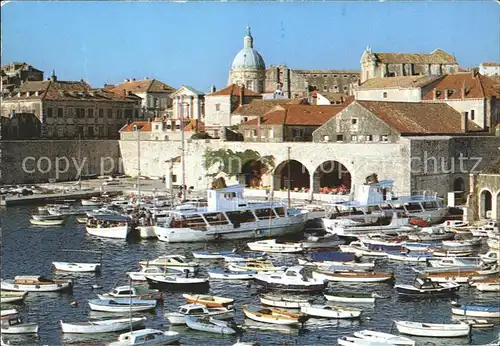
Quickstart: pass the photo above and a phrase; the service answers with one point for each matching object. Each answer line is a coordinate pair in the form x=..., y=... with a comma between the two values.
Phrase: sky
x=195, y=43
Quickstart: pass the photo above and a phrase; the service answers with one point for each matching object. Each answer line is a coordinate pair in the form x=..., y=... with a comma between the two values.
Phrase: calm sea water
x=30, y=250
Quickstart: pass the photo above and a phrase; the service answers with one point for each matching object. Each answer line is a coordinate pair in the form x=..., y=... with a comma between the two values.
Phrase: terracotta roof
x=191, y=126
x=259, y=107
x=144, y=126
x=418, y=117
x=438, y=56
x=475, y=84
x=233, y=90
x=19, y=66
x=146, y=85
x=491, y=64
x=298, y=115
x=397, y=82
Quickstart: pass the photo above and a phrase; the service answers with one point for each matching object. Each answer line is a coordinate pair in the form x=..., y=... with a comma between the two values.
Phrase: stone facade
x=188, y=103
x=484, y=198
x=489, y=69
x=16, y=73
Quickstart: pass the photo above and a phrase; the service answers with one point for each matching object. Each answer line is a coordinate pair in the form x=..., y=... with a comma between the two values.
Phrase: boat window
x=214, y=219
x=280, y=211
x=196, y=311
x=413, y=207
x=194, y=221
x=149, y=337
x=431, y=205
x=229, y=195
x=126, y=292
x=183, y=310
x=139, y=339
x=291, y=274
x=239, y=217
x=265, y=213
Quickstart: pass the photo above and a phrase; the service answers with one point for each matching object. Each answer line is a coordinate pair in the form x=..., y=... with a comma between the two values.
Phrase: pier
x=46, y=198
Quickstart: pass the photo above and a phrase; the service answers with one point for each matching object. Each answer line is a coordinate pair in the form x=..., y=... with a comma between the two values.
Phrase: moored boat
x=491, y=257
x=104, y=326
x=258, y=266
x=293, y=279
x=77, y=267
x=351, y=297
x=209, y=324
x=12, y=323
x=153, y=337
x=121, y=305
x=352, y=276
x=214, y=254
x=32, y=283
x=270, y=245
x=130, y=291
x=274, y=316
x=209, y=301
x=488, y=311
x=151, y=272
x=177, y=262
x=109, y=226
x=197, y=310
x=386, y=338
x=12, y=296
x=178, y=283
x=55, y=222
x=226, y=274
x=426, y=287
x=408, y=257
x=283, y=301
x=329, y=311
x=458, y=275
x=245, y=257
x=433, y=329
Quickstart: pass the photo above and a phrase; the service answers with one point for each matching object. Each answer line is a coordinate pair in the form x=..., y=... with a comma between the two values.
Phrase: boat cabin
x=292, y=273
x=11, y=320
x=425, y=284
x=140, y=337
x=193, y=309
x=107, y=221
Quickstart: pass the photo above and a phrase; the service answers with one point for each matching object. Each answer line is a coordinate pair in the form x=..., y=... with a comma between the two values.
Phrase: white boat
x=270, y=245
x=315, y=242
x=491, y=257
x=408, y=257
x=351, y=297
x=109, y=226
x=388, y=339
x=354, y=341
x=151, y=272
x=229, y=216
x=245, y=257
x=493, y=243
x=487, y=286
x=197, y=310
x=105, y=326
x=47, y=217
x=432, y=329
x=32, y=283
x=283, y=301
x=147, y=337
x=454, y=262
x=94, y=201
x=459, y=275
x=346, y=264
x=352, y=276
x=292, y=279
x=209, y=324
x=12, y=323
x=461, y=243
x=360, y=249
x=226, y=274
x=215, y=254
x=57, y=222
x=12, y=297
x=329, y=311
x=258, y=266
x=121, y=305
x=433, y=233
x=77, y=267
x=488, y=311
x=274, y=316
x=147, y=232
x=177, y=262
x=131, y=291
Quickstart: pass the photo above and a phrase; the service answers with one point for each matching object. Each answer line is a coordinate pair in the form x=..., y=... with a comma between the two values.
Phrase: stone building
x=16, y=73
x=406, y=64
x=188, y=103
x=67, y=109
x=328, y=98
x=484, y=197
x=257, y=108
x=489, y=69
x=159, y=129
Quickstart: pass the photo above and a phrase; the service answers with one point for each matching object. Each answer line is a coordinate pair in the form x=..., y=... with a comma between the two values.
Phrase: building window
x=254, y=133
x=354, y=124
x=101, y=113
x=90, y=112
x=271, y=133
x=118, y=114
x=110, y=113
x=369, y=138
x=245, y=119
x=79, y=131
x=49, y=112
x=472, y=115
x=263, y=133
x=101, y=131
x=325, y=87
x=60, y=112
x=336, y=87
x=335, y=76
x=354, y=138
x=345, y=87
x=384, y=138
x=326, y=138
x=384, y=94
x=315, y=75
x=345, y=76
x=340, y=138
x=157, y=127
x=110, y=131
x=325, y=75
x=136, y=114
x=217, y=107
x=91, y=131
x=60, y=132
x=174, y=178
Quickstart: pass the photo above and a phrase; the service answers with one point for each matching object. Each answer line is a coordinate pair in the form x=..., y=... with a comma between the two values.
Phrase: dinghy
x=119, y=305
x=209, y=301
x=487, y=285
x=12, y=323
x=386, y=338
x=152, y=272
x=47, y=217
x=177, y=283
x=77, y=267
x=424, y=287
x=258, y=266
x=351, y=297
x=283, y=301
x=197, y=310
x=328, y=311
x=204, y=254
x=409, y=257
x=432, y=329
x=270, y=245
x=226, y=274
x=491, y=257
x=354, y=341
x=31, y=283
x=153, y=337
x=344, y=265
x=12, y=297
x=177, y=262
x=136, y=292
x=293, y=279
x=209, y=324
x=47, y=222
x=352, y=276
x=233, y=257
x=105, y=326
x=274, y=316
x=488, y=311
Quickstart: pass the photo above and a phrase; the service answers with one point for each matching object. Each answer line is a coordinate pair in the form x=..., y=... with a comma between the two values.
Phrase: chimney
x=242, y=94
x=464, y=122
x=53, y=78
x=446, y=94
x=435, y=94
x=213, y=88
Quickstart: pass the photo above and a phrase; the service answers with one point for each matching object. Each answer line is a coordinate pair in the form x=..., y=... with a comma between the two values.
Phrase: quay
x=46, y=198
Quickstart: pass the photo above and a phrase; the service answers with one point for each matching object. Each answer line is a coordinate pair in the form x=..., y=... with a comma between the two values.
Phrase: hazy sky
x=194, y=43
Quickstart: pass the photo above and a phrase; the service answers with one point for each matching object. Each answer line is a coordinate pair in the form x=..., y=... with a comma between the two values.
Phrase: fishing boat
x=177, y=262
x=204, y=254
x=177, y=283
x=420, y=246
x=131, y=291
x=226, y=274
x=33, y=283
x=77, y=267
x=270, y=245
x=211, y=325
x=229, y=216
x=352, y=276
x=283, y=301
x=274, y=316
x=488, y=311
x=491, y=257
x=324, y=242
x=147, y=337
x=293, y=279
x=109, y=226
x=426, y=287
x=152, y=272
x=258, y=266
x=408, y=257
x=122, y=305
x=385, y=338
x=454, y=262
x=245, y=257
x=440, y=252
x=198, y=310
x=104, y=326
x=354, y=341
x=209, y=301
x=431, y=234
x=351, y=297
x=12, y=323
x=487, y=285
x=12, y=297
x=328, y=311
x=432, y=329
x=56, y=222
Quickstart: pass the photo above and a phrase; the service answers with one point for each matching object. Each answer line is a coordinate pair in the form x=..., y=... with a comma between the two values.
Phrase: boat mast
x=183, y=166
x=138, y=165
x=289, y=176
x=80, y=159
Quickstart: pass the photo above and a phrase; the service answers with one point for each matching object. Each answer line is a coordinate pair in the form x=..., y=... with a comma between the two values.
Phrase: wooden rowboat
x=209, y=301
x=274, y=316
x=353, y=276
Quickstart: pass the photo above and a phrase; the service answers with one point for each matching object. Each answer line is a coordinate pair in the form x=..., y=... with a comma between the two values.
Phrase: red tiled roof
x=261, y=107
x=491, y=64
x=233, y=90
x=144, y=126
x=418, y=117
x=475, y=84
x=438, y=56
x=146, y=85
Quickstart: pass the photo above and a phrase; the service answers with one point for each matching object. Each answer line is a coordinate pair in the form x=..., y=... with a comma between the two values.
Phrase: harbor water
x=30, y=250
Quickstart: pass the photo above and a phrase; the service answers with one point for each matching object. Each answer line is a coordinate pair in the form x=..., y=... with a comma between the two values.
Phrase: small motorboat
x=55, y=222
x=211, y=325
x=226, y=274
x=459, y=275
x=209, y=301
x=177, y=262
x=283, y=301
x=420, y=247
x=491, y=257
x=384, y=338
x=77, y=267
x=348, y=266
x=461, y=243
x=293, y=279
x=432, y=329
x=474, y=323
x=352, y=276
x=104, y=326
x=178, y=283
x=234, y=257
x=487, y=285
x=314, y=242
x=12, y=297
x=131, y=291
x=488, y=311
x=409, y=257
x=204, y=254
x=122, y=305
x=12, y=323
x=432, y=233
x=274, y=316
x=439, y=252
x=270, y=245
x=454, y=262
x=424, y=287
x=197, y=310
x=258, y=266
x=94, y=201
x=81, y=220
x=147, y=337
x=40, y=217
x=33, y=283
x=351, y=297
x=329, y=311
x=152, y=272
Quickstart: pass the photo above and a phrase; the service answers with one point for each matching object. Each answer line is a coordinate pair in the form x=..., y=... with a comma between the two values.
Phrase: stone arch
x=254, y=173
x=485, y=203
x=332, y=176
x=300, y=177
x=459, y=189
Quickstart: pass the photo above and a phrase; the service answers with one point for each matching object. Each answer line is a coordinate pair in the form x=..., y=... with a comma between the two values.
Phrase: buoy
x=74, y=304
x=96, y=286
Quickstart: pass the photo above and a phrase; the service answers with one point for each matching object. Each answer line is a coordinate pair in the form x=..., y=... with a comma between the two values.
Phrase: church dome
x=248, y=57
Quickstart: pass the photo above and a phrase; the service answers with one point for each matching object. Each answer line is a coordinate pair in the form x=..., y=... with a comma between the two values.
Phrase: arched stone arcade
x=294, y=173
x=497, y=216
x=485, y=203
x=332, y=177
x=255, y=174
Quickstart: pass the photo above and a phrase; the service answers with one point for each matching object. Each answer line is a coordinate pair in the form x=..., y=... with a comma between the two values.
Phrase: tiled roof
x=146, y=85
x=491, y=64
x=259, y=107
x=438, y=56
x=339, y=72
x=418, y=118
x=298, y=115
x=475, y=84
x=191, y=126
x=144, y=126
x=18, y=66
x=233, y=90
x=397, y=82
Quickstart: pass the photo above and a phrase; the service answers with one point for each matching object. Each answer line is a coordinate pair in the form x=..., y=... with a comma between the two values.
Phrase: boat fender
x=74, y=304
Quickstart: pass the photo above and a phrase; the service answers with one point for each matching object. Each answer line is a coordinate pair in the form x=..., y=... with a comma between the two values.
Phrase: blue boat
x=491, y=311
x=214, y=254
x=333, y=256
x=234, y=257
x=226, y=274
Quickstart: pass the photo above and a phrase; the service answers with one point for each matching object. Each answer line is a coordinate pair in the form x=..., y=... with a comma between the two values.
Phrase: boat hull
x=352, y=277
x=415, y=292
x=177, y=318
x=200, y=286
x=12, y=297
x=100, y=327
x=294, y=288
x=194, y=323
x=350, y=299
x=283, y=303
x=46, y=222
x=24, y=328
x=110, y=232
x=228, y=275
x=77, y=267
x=147, y=232
x=319, y=312
x=494, y=312
x=8, y=285
x=444, y=332
x=121, y=307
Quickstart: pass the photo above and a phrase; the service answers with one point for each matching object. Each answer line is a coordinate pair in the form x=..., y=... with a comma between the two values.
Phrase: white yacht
x=229, y=216
x=109, y=226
